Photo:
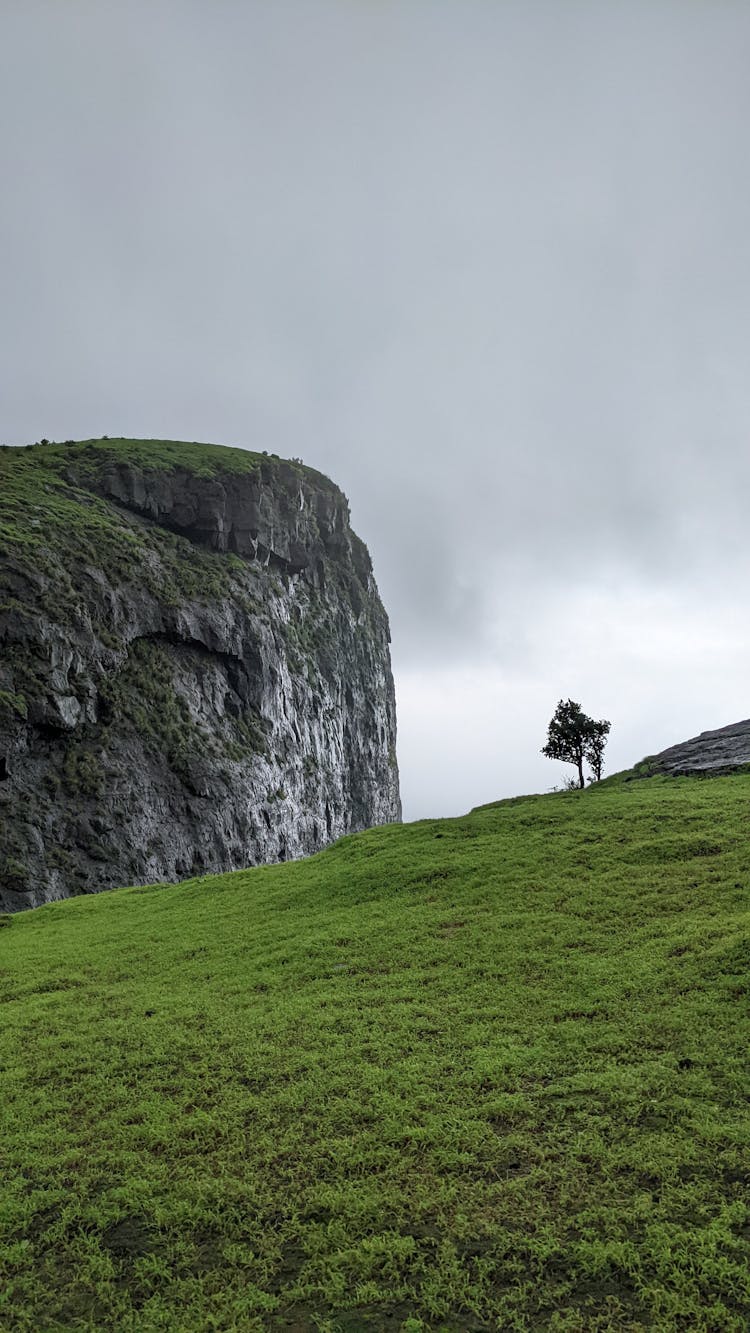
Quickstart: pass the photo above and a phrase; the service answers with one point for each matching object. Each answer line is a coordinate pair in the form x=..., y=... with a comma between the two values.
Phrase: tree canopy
x=574, y=738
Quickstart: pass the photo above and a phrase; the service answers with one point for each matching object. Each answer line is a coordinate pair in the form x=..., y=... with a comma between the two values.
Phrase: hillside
x=476, y=1074
x=194, y=666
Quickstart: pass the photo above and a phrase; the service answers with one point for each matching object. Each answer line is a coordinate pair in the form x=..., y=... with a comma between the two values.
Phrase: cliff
x=194, y=667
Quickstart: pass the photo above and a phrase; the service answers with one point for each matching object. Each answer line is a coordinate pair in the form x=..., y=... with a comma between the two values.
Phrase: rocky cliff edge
x=194, y=666
x=712, y=752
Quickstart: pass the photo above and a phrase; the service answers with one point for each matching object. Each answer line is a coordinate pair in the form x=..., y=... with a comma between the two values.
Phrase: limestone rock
x=194, y=667
x=717, y=751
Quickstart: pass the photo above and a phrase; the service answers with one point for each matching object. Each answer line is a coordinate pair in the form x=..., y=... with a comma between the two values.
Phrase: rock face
x=194, y=667
x=712, y=752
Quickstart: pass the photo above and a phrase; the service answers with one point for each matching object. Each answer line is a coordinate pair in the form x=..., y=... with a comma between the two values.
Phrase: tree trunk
x=581, y=782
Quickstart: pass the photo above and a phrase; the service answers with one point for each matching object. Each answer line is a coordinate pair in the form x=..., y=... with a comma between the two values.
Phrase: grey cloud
x=486, y=265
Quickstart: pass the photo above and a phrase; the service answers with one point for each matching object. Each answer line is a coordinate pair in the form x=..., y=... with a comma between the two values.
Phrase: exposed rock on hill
x=194, y=667
x=711, y=752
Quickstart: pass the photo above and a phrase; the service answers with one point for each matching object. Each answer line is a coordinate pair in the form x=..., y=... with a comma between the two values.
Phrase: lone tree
x=574, y=738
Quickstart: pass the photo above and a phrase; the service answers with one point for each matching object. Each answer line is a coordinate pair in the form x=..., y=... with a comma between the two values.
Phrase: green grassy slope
x=483, y=1073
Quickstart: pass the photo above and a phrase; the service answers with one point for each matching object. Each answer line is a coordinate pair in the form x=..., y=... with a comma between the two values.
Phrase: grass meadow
x=485, y=1073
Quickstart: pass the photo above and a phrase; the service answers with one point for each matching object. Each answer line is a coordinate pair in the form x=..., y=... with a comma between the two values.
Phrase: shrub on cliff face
x=12, y=705
x=83, y=772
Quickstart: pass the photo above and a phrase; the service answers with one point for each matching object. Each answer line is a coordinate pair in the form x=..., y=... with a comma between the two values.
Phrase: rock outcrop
x=719, y=751
x=194, y=667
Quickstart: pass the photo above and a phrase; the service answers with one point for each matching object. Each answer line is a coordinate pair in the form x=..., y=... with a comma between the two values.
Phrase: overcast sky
x=486, y=264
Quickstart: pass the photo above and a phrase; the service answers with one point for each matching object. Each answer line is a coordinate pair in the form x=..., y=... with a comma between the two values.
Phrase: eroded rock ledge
x=719, y=751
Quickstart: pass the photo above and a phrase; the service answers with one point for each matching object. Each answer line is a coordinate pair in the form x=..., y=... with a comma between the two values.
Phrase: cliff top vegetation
x=54, y=531
x=202, y=460
x=469, y=1074
x=54, y=524
x=45, y=489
